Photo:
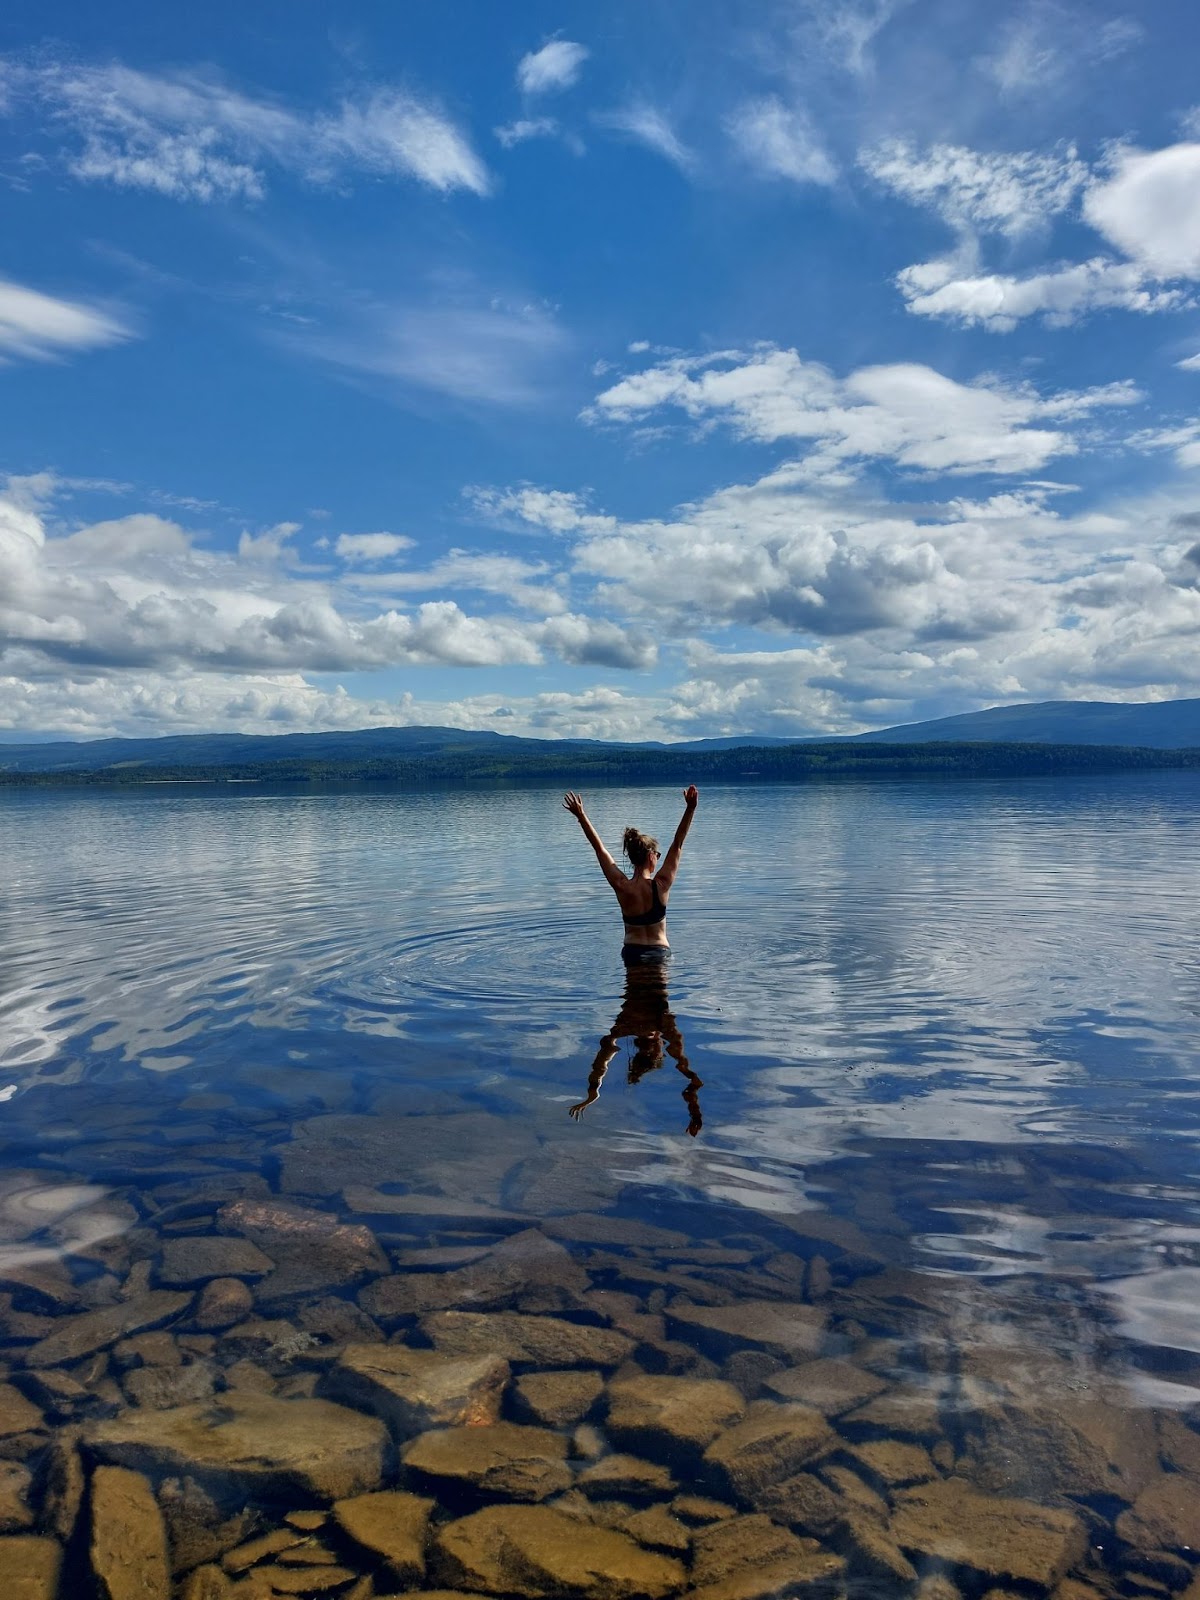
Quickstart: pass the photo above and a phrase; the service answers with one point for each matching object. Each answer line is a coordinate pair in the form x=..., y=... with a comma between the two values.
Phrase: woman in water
x=643, y=894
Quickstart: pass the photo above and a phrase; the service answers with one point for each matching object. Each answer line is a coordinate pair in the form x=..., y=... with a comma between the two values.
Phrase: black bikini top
x=656, y=913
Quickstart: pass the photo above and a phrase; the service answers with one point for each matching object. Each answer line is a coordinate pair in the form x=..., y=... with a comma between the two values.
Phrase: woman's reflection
x=646, y=1018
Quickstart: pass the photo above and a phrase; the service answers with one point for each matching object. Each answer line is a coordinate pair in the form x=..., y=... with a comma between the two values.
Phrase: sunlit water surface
x=948, y=1030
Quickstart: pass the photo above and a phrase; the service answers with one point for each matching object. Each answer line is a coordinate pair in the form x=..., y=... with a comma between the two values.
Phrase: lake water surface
x=873, y=1262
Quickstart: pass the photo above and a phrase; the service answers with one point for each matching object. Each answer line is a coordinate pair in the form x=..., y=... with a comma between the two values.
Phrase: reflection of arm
x=673, y=1040
x=666, y=873
x=607, y=1050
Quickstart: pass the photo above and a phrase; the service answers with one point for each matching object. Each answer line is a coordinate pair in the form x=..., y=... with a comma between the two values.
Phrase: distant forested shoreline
x=580, y=765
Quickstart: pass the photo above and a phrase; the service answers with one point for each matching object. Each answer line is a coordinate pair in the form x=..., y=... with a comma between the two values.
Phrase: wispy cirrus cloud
x=40, y=327
x=525, y=128
x=556, y=66
x=488, y=352
x=647, y=125
x=190, y=136
x=1005, y=192
x=780, y=142
x=1042, y=42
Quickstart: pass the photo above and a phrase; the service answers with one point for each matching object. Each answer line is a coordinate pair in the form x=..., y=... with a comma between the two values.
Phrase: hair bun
x=638, y=846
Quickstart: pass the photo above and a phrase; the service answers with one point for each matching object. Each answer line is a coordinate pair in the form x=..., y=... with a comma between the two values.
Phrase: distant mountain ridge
x=1161, y=725
x=1154, y=725
x=238, y=749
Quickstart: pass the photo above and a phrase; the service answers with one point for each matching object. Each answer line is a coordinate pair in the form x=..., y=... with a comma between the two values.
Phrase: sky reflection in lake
x=972, y=1007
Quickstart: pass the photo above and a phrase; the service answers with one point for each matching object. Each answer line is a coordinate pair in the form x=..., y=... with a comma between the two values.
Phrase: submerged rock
x=17, y=1414
x=129, y=1539
x=699, y=1509
x=527, y=1266
x=657, y=1529
x=304, y=1580
x=557, y=1399
x=907, y=1411
x=415, y=1390
x=1051, y=1445
x=1164, y=1516
x=432, y=1209
x=223, y=1301
x=1000, y=1538
x=591, y=1227
x=328, y=1154
x=771, y=1444
x=752, y=1556
x=390, y=1526
x=802, y=1501
x=162, y=1387
x=675, y=1418
x=201, y=1257
x=312, y=1250
x=873, y=1550
x=526, y=1340
x=62, y=1484
x=269, y=1447
x=783, y=1327
x=894, y=1462
x=31, y=1567
x=540, y=1554
x=830, y=1387
x=244, y=1556
x=206, y=1583
x=507, y=1459
x=79, y=1336
x=627, y=1478
x=200, y=1527
x=15, y=1480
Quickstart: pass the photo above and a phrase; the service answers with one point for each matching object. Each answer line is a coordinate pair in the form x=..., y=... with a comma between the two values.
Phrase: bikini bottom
x=640, y=955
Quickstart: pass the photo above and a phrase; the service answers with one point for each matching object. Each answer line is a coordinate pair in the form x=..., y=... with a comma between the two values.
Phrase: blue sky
x=637, y=370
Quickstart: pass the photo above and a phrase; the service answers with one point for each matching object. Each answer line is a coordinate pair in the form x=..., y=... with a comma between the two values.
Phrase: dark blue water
x=944, y=1030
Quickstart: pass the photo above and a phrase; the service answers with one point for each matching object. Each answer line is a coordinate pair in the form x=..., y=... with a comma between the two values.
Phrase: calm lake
x=873, y=1261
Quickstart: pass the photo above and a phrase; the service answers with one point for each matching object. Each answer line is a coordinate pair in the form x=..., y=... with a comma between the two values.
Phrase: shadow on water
x=314, y=1279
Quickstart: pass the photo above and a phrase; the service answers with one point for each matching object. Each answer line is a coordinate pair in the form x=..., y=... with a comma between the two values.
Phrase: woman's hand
x=691, y=797
x=573, y=803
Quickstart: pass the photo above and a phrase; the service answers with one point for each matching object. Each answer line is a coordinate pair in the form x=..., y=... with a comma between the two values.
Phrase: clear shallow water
x=945, y=1031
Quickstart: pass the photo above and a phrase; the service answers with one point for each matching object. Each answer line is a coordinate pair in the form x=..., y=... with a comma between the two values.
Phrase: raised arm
x=666, y=873
x=610, y=869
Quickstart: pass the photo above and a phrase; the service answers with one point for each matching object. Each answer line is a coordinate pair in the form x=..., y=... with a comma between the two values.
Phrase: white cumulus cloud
x=1150, y=209
x=356, y=547
x=1061, y=295
x=1144, y=204
x=904, y=412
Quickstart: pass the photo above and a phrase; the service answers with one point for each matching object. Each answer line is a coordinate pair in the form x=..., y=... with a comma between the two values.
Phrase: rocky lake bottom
x=311, y=1285
x=233, y=1372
